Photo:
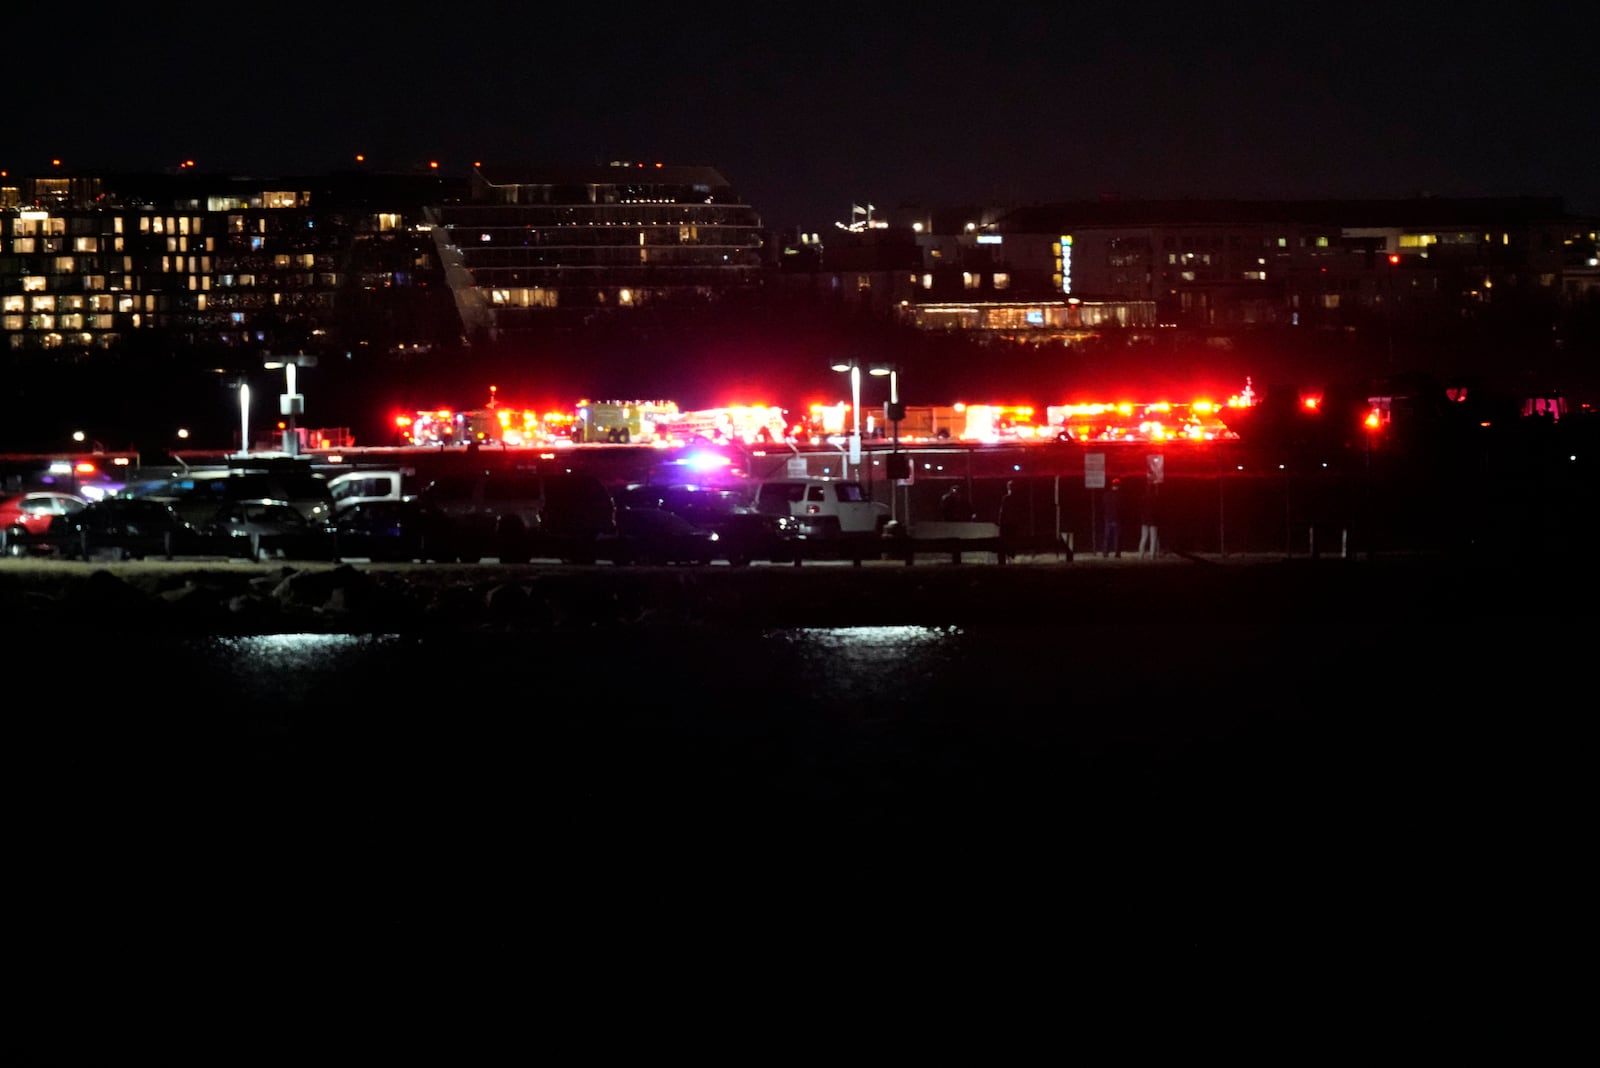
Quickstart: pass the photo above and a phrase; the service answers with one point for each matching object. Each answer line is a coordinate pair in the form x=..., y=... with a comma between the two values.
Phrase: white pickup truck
x=824, y=508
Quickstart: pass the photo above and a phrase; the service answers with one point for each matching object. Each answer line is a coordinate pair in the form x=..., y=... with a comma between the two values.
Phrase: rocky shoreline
x=345, y=598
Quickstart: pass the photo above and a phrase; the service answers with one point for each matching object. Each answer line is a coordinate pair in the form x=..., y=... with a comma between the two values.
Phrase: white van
x=359, y=487
x=824, y=507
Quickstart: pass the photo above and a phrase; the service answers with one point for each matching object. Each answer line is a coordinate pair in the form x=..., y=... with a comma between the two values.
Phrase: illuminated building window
x=927, y=281
x=23, y=245
x=33, y=283
x=13, y=322
x=969, y=280
x=1002, y=281
x=1187, y=276
x=86, y=244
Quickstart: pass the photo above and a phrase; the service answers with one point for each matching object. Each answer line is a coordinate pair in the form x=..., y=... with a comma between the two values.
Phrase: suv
x=824, y=508
x=197, y=496
x=515, y=515
x=743, y=533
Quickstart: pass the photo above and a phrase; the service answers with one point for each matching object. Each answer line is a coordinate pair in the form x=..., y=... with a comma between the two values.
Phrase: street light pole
x=292, y=403
x=854, y=367
x=894, y=413
x=244, y=418
x=855, y=415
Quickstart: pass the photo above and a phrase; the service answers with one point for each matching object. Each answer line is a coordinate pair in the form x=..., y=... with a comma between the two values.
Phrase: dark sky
x=810, y=107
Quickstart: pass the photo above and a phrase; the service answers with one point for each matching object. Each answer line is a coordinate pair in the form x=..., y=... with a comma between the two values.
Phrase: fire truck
x=620, y=422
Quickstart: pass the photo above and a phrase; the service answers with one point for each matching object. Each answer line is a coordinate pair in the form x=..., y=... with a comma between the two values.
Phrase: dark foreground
x=1369, y=772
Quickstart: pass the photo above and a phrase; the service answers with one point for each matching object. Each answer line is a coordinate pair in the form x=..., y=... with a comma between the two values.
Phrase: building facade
x=96, y=263
x=1228, y=265
x=532, y=248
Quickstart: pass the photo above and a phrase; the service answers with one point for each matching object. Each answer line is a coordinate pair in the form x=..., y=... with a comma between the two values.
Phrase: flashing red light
x=1394, y=258
x=83, y=467
x=1311, y=403
x=1374, y=420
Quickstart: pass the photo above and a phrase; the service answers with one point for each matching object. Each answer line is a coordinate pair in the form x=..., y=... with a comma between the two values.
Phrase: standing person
x=1149, y=522
x=953, y=506
x=1111, y=544
x=1010, y=521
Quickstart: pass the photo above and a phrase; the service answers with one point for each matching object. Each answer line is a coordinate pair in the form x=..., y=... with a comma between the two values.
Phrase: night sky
x=810, y=108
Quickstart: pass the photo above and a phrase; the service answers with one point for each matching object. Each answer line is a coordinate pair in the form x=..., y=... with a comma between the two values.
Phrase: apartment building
x=1060, y=269
x=533, y=247
x=207, y=262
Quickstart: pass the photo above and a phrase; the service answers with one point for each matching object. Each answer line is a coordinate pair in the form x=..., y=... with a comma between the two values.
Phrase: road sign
x=1094, y=470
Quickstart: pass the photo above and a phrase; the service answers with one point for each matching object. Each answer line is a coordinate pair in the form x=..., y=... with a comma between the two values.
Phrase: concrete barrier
x=955, y=537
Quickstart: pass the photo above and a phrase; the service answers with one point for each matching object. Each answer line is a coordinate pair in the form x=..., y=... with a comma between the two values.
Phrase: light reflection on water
x=857, y=665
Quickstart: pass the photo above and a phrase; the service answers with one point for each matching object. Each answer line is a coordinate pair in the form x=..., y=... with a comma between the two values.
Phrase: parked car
x=25, y=516
x=743, y=533
x=122, y=528
x=824, y=508
x=389, y=531
x=653, y=536
x=386, y=484
x=197, y=495
x=517, y=515
x=267, y=529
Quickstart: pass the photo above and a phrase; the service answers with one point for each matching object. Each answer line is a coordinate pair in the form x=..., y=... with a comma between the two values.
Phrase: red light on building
x=1394, y=258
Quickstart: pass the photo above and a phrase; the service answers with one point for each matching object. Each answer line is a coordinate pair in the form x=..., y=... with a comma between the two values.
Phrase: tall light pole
x=291, y=403
x=898, y=469
x=244, y=418
x=854, y=368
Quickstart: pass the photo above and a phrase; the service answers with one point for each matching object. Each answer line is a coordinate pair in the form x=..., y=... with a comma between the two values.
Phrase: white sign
x=1094, y=470
x=797, y=467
